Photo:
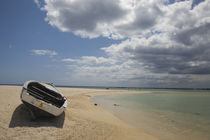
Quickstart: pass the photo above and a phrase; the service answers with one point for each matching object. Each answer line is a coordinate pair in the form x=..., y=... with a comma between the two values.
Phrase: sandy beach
x=81, y=120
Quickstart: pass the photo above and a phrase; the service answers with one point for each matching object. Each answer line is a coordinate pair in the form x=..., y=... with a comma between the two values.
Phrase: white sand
x=81, y=120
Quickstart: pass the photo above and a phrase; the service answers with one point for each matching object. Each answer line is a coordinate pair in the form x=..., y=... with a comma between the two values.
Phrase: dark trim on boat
x=40, y=92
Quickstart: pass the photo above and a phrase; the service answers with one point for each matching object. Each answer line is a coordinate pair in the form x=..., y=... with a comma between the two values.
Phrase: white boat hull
x=38, y=105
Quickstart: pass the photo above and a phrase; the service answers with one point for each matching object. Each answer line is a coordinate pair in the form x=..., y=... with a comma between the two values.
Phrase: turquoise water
x=168, y=114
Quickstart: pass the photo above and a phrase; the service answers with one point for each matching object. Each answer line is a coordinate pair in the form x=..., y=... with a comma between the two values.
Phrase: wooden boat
x=43, y=99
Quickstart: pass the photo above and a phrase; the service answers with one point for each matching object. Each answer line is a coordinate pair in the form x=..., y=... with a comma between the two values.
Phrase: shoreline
x=81, y=120
x=159, y=122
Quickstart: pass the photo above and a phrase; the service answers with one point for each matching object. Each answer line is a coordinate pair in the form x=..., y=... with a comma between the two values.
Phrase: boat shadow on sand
x=21, y=118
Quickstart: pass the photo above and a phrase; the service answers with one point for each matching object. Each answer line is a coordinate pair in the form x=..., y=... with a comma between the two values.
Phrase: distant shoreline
x=109, y=87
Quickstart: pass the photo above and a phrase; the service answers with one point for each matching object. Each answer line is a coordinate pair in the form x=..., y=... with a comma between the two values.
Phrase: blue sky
x=105, y=43
x=23, y=29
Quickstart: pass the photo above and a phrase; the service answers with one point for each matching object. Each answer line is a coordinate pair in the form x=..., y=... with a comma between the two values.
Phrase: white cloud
x=68, y=60
x=87, y=18
x=90, y=60
x=44, y=52
x=163, y=42
x=113, y=19
x=37, y=2
x=123, y=18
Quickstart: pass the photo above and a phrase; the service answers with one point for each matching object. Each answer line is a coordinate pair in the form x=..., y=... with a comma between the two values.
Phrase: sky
x=126, y=43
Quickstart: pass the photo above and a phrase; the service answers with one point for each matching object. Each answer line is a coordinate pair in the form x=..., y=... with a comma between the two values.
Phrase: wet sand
x=81, y=120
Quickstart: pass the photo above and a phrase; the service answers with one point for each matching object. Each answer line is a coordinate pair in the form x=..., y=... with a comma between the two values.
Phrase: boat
x=43, y=99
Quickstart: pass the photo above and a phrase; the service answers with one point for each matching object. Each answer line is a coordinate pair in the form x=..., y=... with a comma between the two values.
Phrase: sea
x=167, y=114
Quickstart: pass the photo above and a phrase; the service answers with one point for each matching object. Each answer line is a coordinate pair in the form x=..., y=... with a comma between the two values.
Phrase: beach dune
x=81, y=119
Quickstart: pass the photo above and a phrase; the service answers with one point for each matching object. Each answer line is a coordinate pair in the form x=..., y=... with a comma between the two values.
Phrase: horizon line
x=124, y=87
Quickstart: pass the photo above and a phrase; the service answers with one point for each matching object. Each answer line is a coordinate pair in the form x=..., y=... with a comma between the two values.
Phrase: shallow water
x=167, y=114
